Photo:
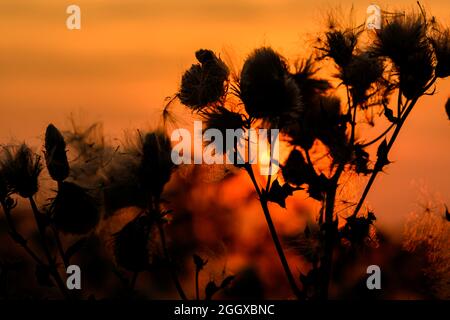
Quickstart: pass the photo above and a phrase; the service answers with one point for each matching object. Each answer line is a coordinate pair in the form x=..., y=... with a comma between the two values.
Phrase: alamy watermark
x=238, y=146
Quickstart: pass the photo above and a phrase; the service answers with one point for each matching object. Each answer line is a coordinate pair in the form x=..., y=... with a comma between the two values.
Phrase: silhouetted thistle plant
x=20, y=168
x=406, y=56
x=137, y=179
x=270, y=96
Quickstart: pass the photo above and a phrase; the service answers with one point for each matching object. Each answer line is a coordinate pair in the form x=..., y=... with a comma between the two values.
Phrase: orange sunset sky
x=129, y=55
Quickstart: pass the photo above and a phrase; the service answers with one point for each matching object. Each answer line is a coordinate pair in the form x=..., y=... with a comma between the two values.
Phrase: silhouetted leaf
x=361, y=160
x=382, y=158
x=43, y=278
x=278, y=194
x=356, y=229
x=210, y=289
x=447, y=214
x=389, y=114
x=77, y=246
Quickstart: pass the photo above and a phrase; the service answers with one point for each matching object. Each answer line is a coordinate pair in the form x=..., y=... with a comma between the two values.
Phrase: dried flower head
x=403, y=39
x=204, y=83
x=221, y=118
x=21, y=169
x=156, y=163
x=55, y=154
x=339, y=45
x=122, y=187
x=266, y=87
x=305, y=78
x=359, y=75
x=440, y=41
x=131, y=244
x=74, y=210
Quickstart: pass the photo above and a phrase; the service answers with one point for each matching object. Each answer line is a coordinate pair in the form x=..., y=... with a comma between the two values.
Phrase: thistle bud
x=156, y=165
x=55, y=154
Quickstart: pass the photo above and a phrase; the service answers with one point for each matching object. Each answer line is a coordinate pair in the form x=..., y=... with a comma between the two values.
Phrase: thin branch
x=273, y=233
x=401, y=121
x=17, y=237
x=169, y=261
x=51, y=263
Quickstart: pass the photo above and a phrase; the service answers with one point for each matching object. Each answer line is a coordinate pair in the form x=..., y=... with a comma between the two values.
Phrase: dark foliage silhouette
x=112, y=208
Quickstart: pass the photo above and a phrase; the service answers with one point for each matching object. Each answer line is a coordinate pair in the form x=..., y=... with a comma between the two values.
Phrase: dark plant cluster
x=321, y=130
x=404, y=58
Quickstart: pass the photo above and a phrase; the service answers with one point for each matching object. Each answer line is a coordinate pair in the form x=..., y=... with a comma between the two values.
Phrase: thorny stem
x=327, y=259
x=273, y=233
x=52, y=266
x=379, y=137
x=17, y=237
x=329, y=226
x=401, y=121
x=173, y=272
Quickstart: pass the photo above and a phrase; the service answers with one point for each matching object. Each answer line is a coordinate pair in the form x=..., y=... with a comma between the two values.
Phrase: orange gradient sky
x=129, y=55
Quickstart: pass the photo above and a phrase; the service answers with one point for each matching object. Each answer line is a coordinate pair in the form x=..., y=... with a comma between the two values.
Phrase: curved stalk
x=51, y=263
x=17, y=237
x=401, y=121
x=273, y=233
x=172, y=270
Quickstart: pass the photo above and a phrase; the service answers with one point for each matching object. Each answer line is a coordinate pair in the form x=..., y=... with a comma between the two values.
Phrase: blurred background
x=129, y=56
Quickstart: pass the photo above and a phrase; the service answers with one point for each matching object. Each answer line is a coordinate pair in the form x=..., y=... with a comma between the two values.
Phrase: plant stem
x=17, y=237
x=173, y=272
x=401, y=121
x=379, y=137
x=330, y=233
x=273, y=233
x=51, y=263
x=197, y=292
